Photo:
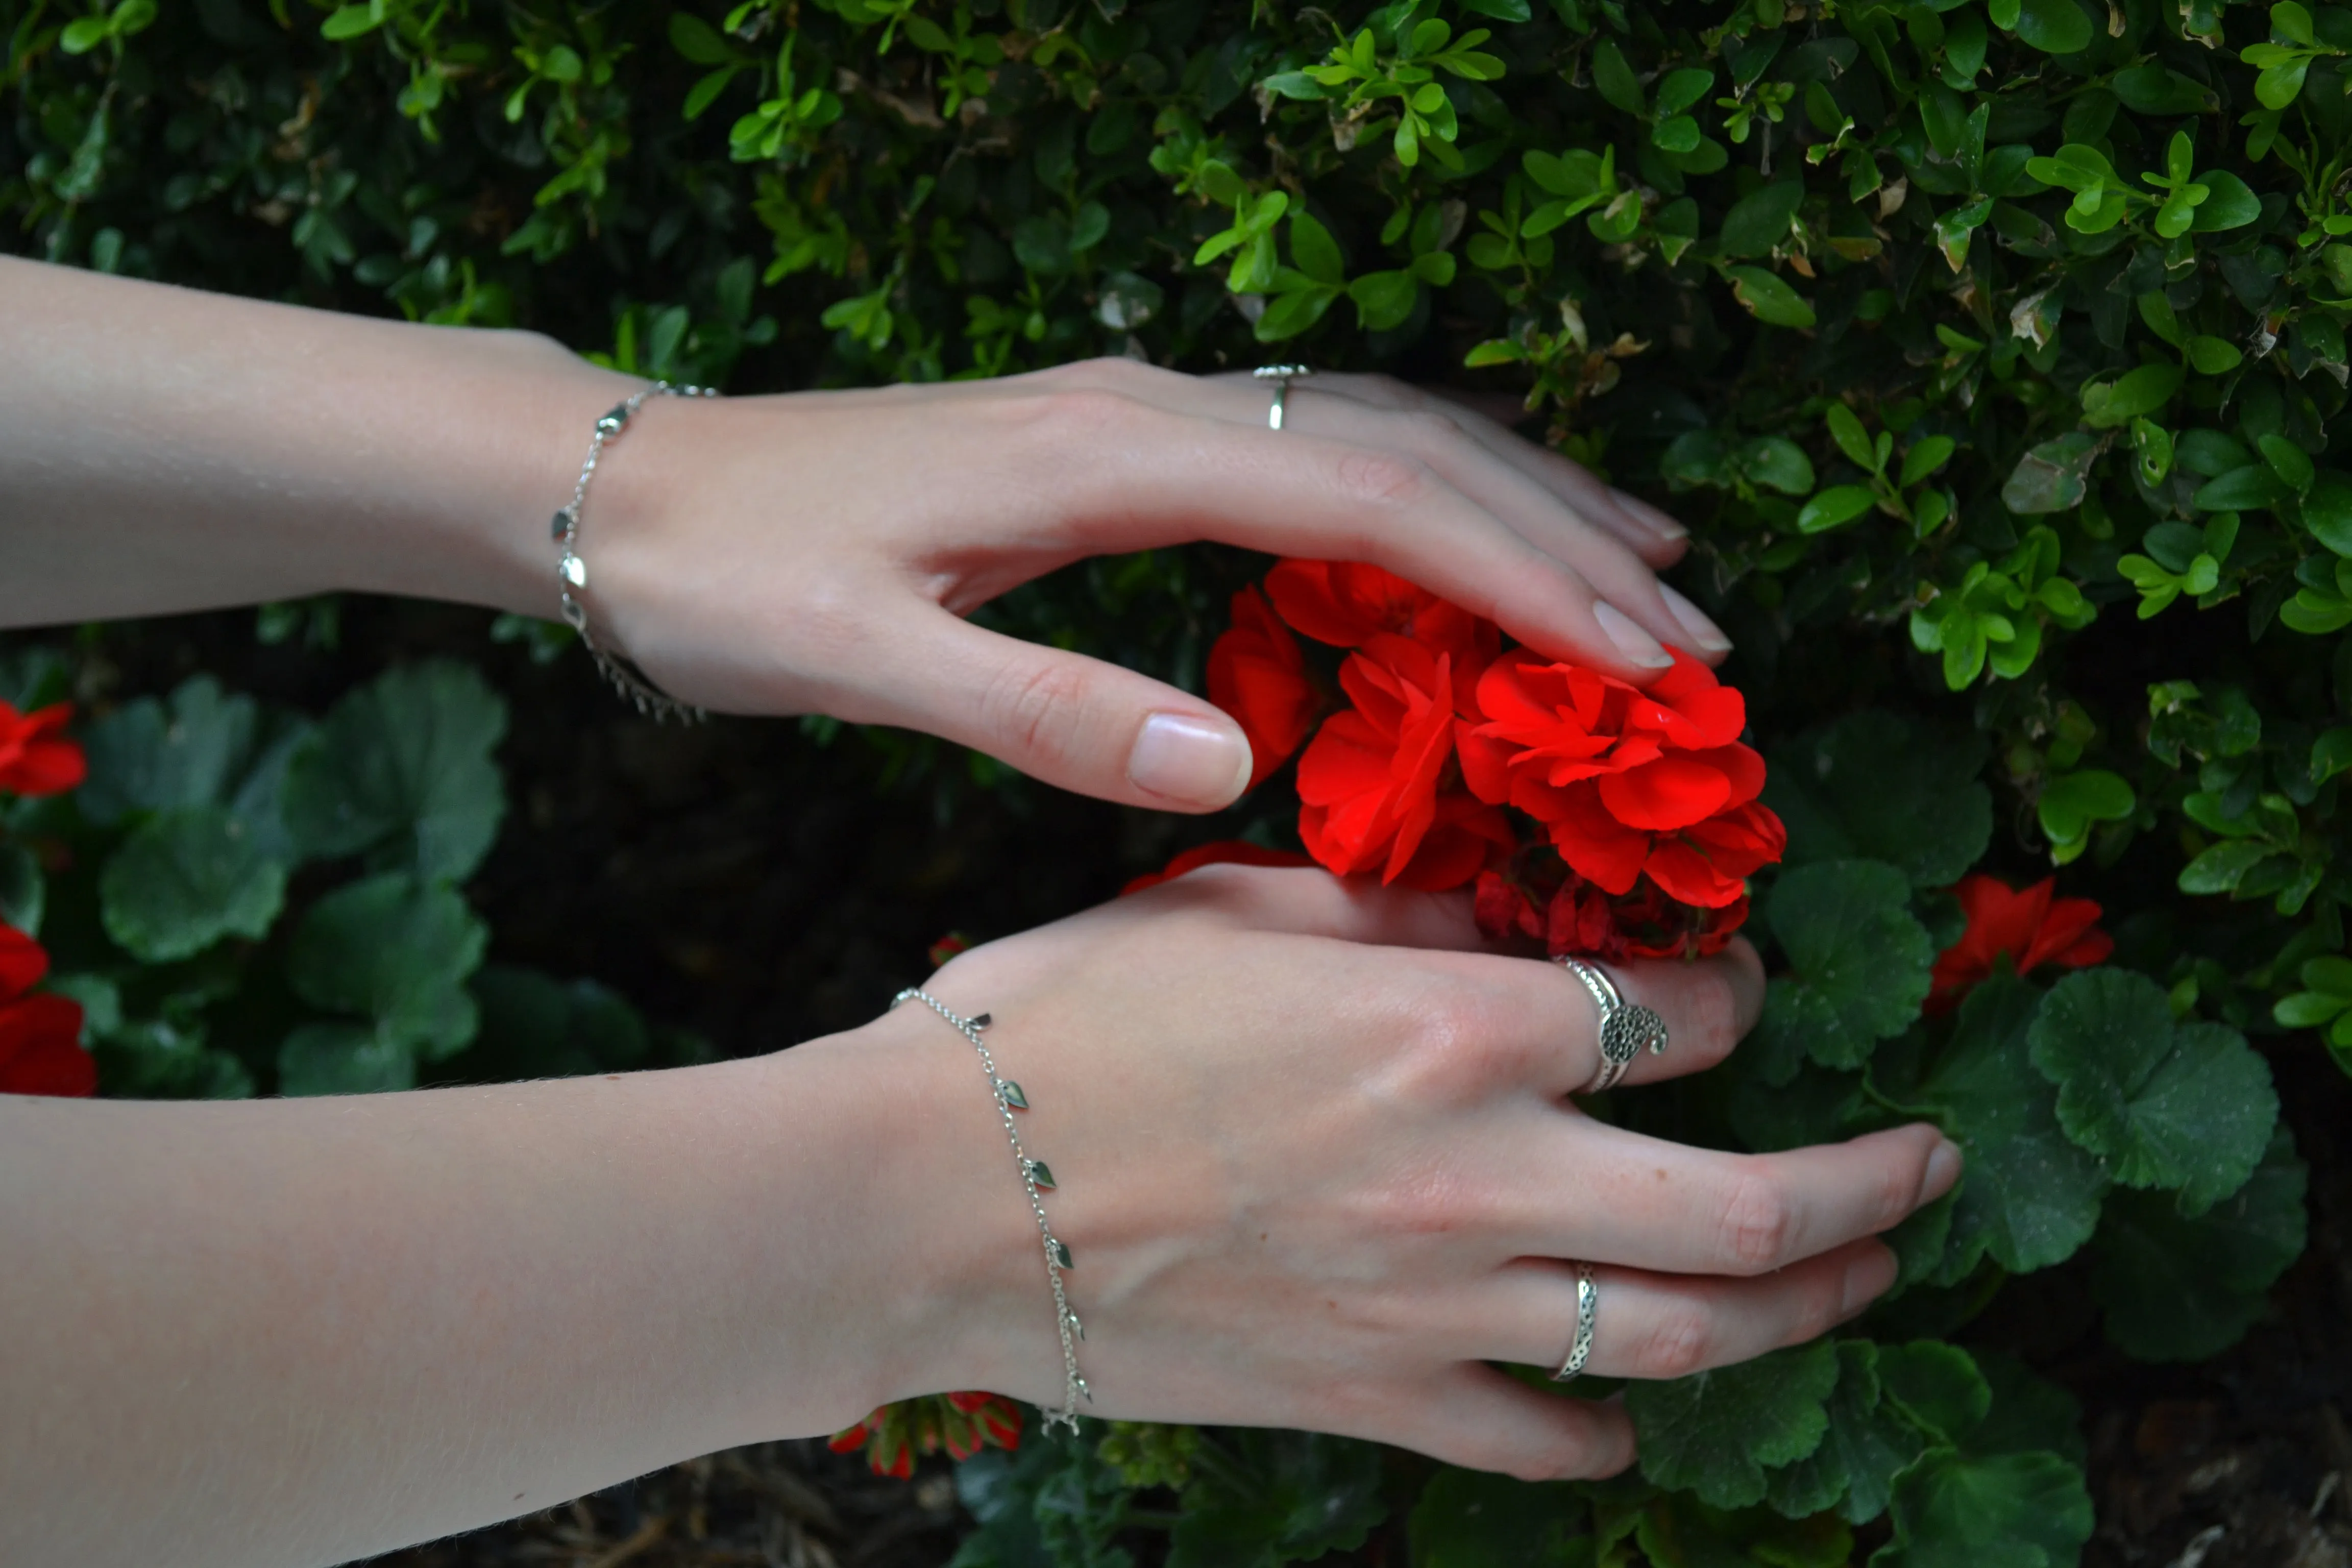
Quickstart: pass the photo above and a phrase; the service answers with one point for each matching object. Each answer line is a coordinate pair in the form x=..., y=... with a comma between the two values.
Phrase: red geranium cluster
x=963, y=1423
x=40, y=1034
x=2029, y=928
x=1596, y=816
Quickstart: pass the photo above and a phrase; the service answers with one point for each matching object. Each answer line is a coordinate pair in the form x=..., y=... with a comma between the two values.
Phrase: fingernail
x=1867, y=1280
x=1183, y=760
x=1943, y=1170
x=1648, y=516
x=1634, y=645
x=1704, y=632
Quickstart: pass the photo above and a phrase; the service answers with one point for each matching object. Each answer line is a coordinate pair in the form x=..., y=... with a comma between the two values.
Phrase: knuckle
x=1461, y=1041
x=1760, y=1220
x=1714, y=1013
x=1037, y=706
x=1431, y=429
x=1382, y=479
x=1082, y=407
x=1679, y=1340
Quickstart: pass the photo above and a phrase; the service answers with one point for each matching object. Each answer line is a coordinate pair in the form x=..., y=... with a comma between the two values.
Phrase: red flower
x=1705, y=863
x=2030, y=928
x=1257, y=675
x=1223, y=852
x=1347, y=603
x=963, y=1423
x=1580, y=920
x=40, y=1035
x=1540, y=727
x=1377, y=785
x=37, y=757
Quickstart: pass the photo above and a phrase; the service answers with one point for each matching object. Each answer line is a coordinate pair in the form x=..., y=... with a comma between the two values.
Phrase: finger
x=1559, y=519
x=1070, y=721
x=1608, y=1195
x=1475, y=1416
x=1549, y=500
x=1143, y=478
x=1657, y=538
x=1668, y=1325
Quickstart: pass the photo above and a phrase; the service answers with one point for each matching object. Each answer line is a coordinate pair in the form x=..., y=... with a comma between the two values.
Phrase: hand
x=1309, y=1182
x=814, y=553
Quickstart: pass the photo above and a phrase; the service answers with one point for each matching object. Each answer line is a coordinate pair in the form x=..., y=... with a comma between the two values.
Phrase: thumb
x=1065, y=719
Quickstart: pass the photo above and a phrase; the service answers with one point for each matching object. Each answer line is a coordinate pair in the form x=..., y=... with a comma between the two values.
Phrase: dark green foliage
x=1994, y=351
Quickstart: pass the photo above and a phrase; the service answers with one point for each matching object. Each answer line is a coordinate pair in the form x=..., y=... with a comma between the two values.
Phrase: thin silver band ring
x=1282, y=375
x=1588, y=1308
x=1625, y=1026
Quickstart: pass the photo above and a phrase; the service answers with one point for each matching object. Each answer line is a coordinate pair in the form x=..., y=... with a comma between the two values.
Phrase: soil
x=740, y=880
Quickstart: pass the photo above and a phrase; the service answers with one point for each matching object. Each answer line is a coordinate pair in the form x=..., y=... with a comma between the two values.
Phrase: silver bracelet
x=1037, y=1178
x=571, y=572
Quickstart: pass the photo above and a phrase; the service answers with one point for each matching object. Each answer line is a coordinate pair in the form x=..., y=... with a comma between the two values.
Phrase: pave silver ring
x=1588, y=1308
x=1626, y=1026
x=1282, y=375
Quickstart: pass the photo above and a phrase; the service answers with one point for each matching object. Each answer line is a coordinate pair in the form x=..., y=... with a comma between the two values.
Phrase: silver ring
x=1282, y=375
x=1588, y=1308
x=1626, y=1026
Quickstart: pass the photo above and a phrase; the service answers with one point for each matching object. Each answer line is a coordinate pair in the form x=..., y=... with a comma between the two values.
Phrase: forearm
x=294, y=1333
x=163, y=450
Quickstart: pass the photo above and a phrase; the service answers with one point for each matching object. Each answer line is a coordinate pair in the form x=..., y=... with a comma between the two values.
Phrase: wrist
x=920, y=1238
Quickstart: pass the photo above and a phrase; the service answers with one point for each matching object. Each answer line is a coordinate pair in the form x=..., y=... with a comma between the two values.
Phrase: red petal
x=1674, y=792
x=22, y=962
x=40, y=1048
x=1596, y=845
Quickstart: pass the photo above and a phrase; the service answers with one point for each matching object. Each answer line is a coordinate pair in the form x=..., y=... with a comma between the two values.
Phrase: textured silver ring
x=1282, y=375
x=1588, y=1308
x=1625, y=1026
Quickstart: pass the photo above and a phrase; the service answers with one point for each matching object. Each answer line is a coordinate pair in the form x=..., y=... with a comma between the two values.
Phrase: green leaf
x=2229, y=202
x=1758, y=221
x=1834, y=508
x=1469, y=1519
x=402, y=764
x=1869, y=1442
x=348, y=22
x=1311, y=246
x=2242, y=490
x=2030, y=1196
x=1383, y=299
x=184, y=879
x=697, y=40
x=2214, y=356
x=343, y=1059
x=2070, y=802
x=2051, y=477
x=2188, y=1107
x=1767, y=299
x=394, y=951
x=1846, y=431
x=2131, y=395
x=2179, y=1288
x=152, y=755
x=2054, y=27
x=1860, y=962
x=2327, y=510
x=1927, y=455
x=2221, y=869
x=1307, y=1494
x=2007, y=1511
x=1938, y=1386
x=1717, y=1434
x=534, y=1025
x=1614, y=79
x=1881, y=786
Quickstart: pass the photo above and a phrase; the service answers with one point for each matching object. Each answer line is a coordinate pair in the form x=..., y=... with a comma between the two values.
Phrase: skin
x=164, y=450
x=1324, y=1191
x=1319, y=1159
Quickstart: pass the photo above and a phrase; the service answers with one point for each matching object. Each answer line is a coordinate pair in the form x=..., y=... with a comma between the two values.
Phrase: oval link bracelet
x=571, y=572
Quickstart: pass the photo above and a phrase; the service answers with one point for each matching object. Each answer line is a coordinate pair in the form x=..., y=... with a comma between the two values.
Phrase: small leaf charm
x=574, y=571
x=1041, y=1174
x=1077, y=1327
x=611, y=423
x=562, y=525
x=1062, y=1256
x=980, y=1021
x=1009, y=1093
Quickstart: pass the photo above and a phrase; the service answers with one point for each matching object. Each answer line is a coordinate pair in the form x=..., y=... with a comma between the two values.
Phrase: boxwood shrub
x=1993, y=350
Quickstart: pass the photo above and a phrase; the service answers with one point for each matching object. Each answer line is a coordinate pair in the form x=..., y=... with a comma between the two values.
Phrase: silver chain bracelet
x=1037, y=1178
x=571, y=572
